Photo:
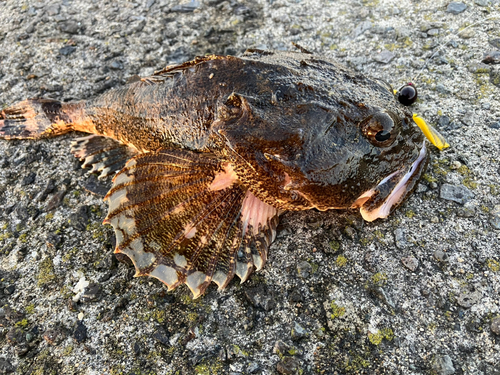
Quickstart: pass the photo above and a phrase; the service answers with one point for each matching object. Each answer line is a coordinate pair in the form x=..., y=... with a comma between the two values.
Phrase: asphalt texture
x=417, y=293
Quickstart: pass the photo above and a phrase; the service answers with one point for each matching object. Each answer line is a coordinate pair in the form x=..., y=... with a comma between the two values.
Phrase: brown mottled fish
x=210, y=152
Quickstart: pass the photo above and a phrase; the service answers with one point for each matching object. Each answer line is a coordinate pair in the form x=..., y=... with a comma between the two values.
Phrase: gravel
x=360, y=308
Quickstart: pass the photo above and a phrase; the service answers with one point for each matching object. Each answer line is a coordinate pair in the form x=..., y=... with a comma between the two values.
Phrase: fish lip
x=372, y=208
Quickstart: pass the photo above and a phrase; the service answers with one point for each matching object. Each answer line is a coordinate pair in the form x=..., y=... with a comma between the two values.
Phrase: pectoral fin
x=184, y=218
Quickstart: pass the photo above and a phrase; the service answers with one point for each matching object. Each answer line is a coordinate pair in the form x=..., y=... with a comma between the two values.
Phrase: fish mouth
x=380, y=201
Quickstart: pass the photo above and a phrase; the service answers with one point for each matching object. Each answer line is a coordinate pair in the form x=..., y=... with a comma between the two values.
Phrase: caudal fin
x=35, y=118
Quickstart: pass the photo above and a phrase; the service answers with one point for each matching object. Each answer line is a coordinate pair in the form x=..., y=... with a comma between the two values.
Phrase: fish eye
x=379, y=129
x=382, y=136
x=407, y=94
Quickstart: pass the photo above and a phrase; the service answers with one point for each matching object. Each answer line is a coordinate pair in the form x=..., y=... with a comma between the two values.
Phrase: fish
x=207, y=154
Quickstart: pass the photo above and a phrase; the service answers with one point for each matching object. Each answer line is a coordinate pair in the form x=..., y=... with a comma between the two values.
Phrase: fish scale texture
x=414, y=294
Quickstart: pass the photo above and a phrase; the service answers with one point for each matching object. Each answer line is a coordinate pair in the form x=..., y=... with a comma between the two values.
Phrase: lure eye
x=407, y=94
x=380, y=129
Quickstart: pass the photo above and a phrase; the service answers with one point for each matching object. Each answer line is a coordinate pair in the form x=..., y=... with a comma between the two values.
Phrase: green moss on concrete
x=22, y=323
x=334, y=245
x=192, y=317
x=380, y=278
x=70, y=254
x=98, y=231
x=157, y=315
x=337, y=311
x=46, y=272
x=5, y=235
x=30, y=309
x=384, y=333
x=207, y=368
x=237, y=350
x=469, y=183
x=23, y=238
x=67, y=350
x=427, y=177
x=410, y=214
x=493, y=265
x=341, y=261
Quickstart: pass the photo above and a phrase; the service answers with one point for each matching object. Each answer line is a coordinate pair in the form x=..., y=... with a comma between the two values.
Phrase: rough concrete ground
x=417, y=293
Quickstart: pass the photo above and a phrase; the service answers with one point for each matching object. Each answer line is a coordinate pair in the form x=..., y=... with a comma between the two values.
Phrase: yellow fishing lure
x=432, y=134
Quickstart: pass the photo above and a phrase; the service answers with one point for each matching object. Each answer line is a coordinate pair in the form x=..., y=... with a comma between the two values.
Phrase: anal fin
x=103, y=154
x=184, y=218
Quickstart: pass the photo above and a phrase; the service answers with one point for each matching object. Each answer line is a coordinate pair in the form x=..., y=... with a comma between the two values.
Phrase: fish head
x=371, y=163
x=331, y=139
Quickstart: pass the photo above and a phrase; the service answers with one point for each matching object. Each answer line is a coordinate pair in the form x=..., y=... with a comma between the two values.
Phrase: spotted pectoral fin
x=103, y=154
x=183, y=217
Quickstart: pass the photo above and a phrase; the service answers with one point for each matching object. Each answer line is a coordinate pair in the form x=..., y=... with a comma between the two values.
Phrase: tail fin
x=35, y=118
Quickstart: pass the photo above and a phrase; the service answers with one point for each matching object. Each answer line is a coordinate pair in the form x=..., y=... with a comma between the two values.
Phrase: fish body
x=209, y=152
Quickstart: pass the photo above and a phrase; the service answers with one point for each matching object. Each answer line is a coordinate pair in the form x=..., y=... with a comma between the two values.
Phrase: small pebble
x=53, y=9
x=66, y=51
x=116, y=65
x=53, y=336
x=28, y=179
x=456, y=8
x=492, y=57
x=482, y=3
x=6, y=367
x=186, y=8
x=70, y=27
x=161, y=336
x=350, y=232
x=495, y=42
x=16, y=336
x=261, y=296
x=281, y=348
x=410, y=262
x=495, y=326
x=304, y=269
x=80, y=332
x=288, y=365
x=495, y=217
x=468, y=299
x=443, y=365
x=298, y=331
x=252, y=368
x=466, y=212
x=495, y=77
x=91, y=293
x=384, y=57
x=400, y=238
x=459, y=194
x=440, y=255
